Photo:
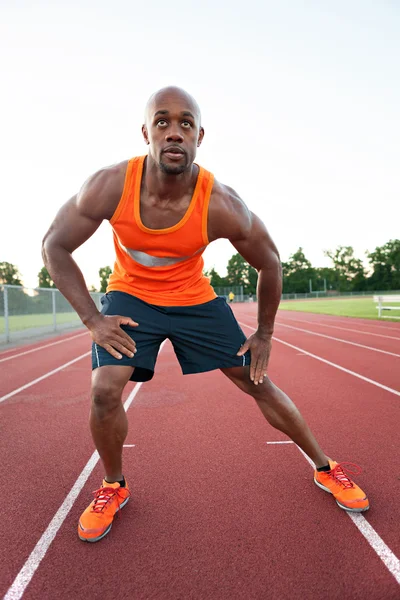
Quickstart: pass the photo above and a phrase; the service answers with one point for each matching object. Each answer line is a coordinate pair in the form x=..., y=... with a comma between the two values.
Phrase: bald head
x=172, y=129
x=168, y=95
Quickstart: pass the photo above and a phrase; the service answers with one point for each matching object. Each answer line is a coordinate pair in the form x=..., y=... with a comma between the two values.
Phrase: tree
x=298, y=262
x=104, y=274
x=297, y=272
x=237, y=270
x=215, y=279
x=385, y=261
x=241, y=273
x=252, y=276
x=350, y=272
x=9, y=274
x=324, y=275
x=45, y=281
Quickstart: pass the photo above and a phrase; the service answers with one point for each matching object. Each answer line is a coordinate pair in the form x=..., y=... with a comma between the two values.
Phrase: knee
x=265, y=391
x=106, y=397
x=262, y=392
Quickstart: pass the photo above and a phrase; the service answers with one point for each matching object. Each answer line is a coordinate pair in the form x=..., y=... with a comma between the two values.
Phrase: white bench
x=383, y=299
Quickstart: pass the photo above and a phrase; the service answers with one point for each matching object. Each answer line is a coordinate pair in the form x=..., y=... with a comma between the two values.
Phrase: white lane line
x=289, y=442
x=22, y=580
x=129, y=445
x=389, y=559
x=42, y=347
x=328, y=362
x=27, y=385
x=389, y=337
x=25, y=575
x=329, y=337
x=367, y=322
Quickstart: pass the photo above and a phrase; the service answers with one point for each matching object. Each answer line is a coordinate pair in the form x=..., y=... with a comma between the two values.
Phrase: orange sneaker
x=96, y=520
x=346, y=493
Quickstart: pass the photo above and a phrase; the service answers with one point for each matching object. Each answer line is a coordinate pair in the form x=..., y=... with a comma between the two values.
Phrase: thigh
x=207, y=337
x=151, y=331
x=240, y=376
x=110, y=379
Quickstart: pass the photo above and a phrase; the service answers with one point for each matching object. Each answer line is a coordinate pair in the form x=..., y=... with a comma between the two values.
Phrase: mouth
x=174, y=153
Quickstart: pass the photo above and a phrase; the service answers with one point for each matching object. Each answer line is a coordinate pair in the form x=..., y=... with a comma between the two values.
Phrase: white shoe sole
x=100, y=537
x=356, y=510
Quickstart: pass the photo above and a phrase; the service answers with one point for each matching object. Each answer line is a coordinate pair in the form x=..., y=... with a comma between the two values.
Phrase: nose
x=173, y=135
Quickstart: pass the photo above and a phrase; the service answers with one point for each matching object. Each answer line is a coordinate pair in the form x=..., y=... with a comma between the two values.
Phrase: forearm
x=269, y=290
x=69, y=280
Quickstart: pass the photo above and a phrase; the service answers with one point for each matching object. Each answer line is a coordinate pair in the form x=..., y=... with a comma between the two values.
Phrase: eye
x=186, y=124
x=162, y=123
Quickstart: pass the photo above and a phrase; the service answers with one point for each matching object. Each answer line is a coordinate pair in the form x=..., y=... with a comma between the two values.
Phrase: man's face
x=173, y=130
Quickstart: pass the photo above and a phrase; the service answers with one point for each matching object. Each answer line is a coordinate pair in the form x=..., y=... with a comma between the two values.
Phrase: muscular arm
x=230, y=218
x=258, y=249
x=75, y=223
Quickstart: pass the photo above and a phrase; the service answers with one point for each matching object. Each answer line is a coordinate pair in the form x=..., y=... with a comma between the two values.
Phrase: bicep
x=256, y=245
x=71, y=227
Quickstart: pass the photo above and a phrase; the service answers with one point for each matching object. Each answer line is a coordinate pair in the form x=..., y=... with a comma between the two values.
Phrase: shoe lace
x=103, y=496
x=341, y=475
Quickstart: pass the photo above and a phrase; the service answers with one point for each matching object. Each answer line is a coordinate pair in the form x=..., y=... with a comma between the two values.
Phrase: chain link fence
x=239, y=296
x=236, y=290
x=31, y=312
x=336, y=294
x=27, y=312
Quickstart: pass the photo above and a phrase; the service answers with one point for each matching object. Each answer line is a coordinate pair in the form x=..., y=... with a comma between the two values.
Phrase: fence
x=27, y=312
x=241, y=297
x=237, y=290
x=334, y=294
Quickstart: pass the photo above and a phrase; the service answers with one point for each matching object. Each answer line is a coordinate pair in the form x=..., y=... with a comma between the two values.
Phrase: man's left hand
x=259, y=345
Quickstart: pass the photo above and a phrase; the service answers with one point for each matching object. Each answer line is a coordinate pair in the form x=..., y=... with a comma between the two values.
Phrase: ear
x=200, y=138
x=145, y=134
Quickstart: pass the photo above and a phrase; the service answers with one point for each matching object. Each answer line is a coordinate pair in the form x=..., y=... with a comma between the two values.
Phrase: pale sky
x=300, y=104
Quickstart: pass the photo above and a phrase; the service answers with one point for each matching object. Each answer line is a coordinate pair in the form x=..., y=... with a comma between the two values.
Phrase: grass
x=20, y=322
x=345, y=307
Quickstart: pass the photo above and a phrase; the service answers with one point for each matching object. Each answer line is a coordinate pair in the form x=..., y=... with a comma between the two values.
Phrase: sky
x=300, y=106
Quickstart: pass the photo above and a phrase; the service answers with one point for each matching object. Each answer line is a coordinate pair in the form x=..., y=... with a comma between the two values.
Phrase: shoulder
x=102, y=191
x=228, y=215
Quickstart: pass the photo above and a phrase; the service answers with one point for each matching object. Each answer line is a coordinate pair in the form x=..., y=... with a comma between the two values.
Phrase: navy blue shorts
x=204, y=336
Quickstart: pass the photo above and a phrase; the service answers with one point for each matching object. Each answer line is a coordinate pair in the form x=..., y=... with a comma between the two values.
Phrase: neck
x=162, y=185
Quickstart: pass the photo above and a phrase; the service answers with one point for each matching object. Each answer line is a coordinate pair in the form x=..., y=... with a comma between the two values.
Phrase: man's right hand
x=106, y=332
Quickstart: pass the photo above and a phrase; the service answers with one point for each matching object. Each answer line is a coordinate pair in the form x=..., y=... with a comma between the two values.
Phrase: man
x=164, y=210
x=231, y=296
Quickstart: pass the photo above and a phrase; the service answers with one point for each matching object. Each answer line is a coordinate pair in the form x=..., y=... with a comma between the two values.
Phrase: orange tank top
x=161, y=266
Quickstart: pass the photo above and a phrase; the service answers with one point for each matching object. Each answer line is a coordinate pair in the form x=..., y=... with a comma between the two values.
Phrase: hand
x=260, y=347
x=106, y=332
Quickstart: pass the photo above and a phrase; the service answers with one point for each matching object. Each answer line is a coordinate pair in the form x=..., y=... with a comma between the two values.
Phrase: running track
x=217, y=512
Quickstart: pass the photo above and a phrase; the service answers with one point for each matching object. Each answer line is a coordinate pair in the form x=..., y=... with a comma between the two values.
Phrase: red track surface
x=216, y=512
